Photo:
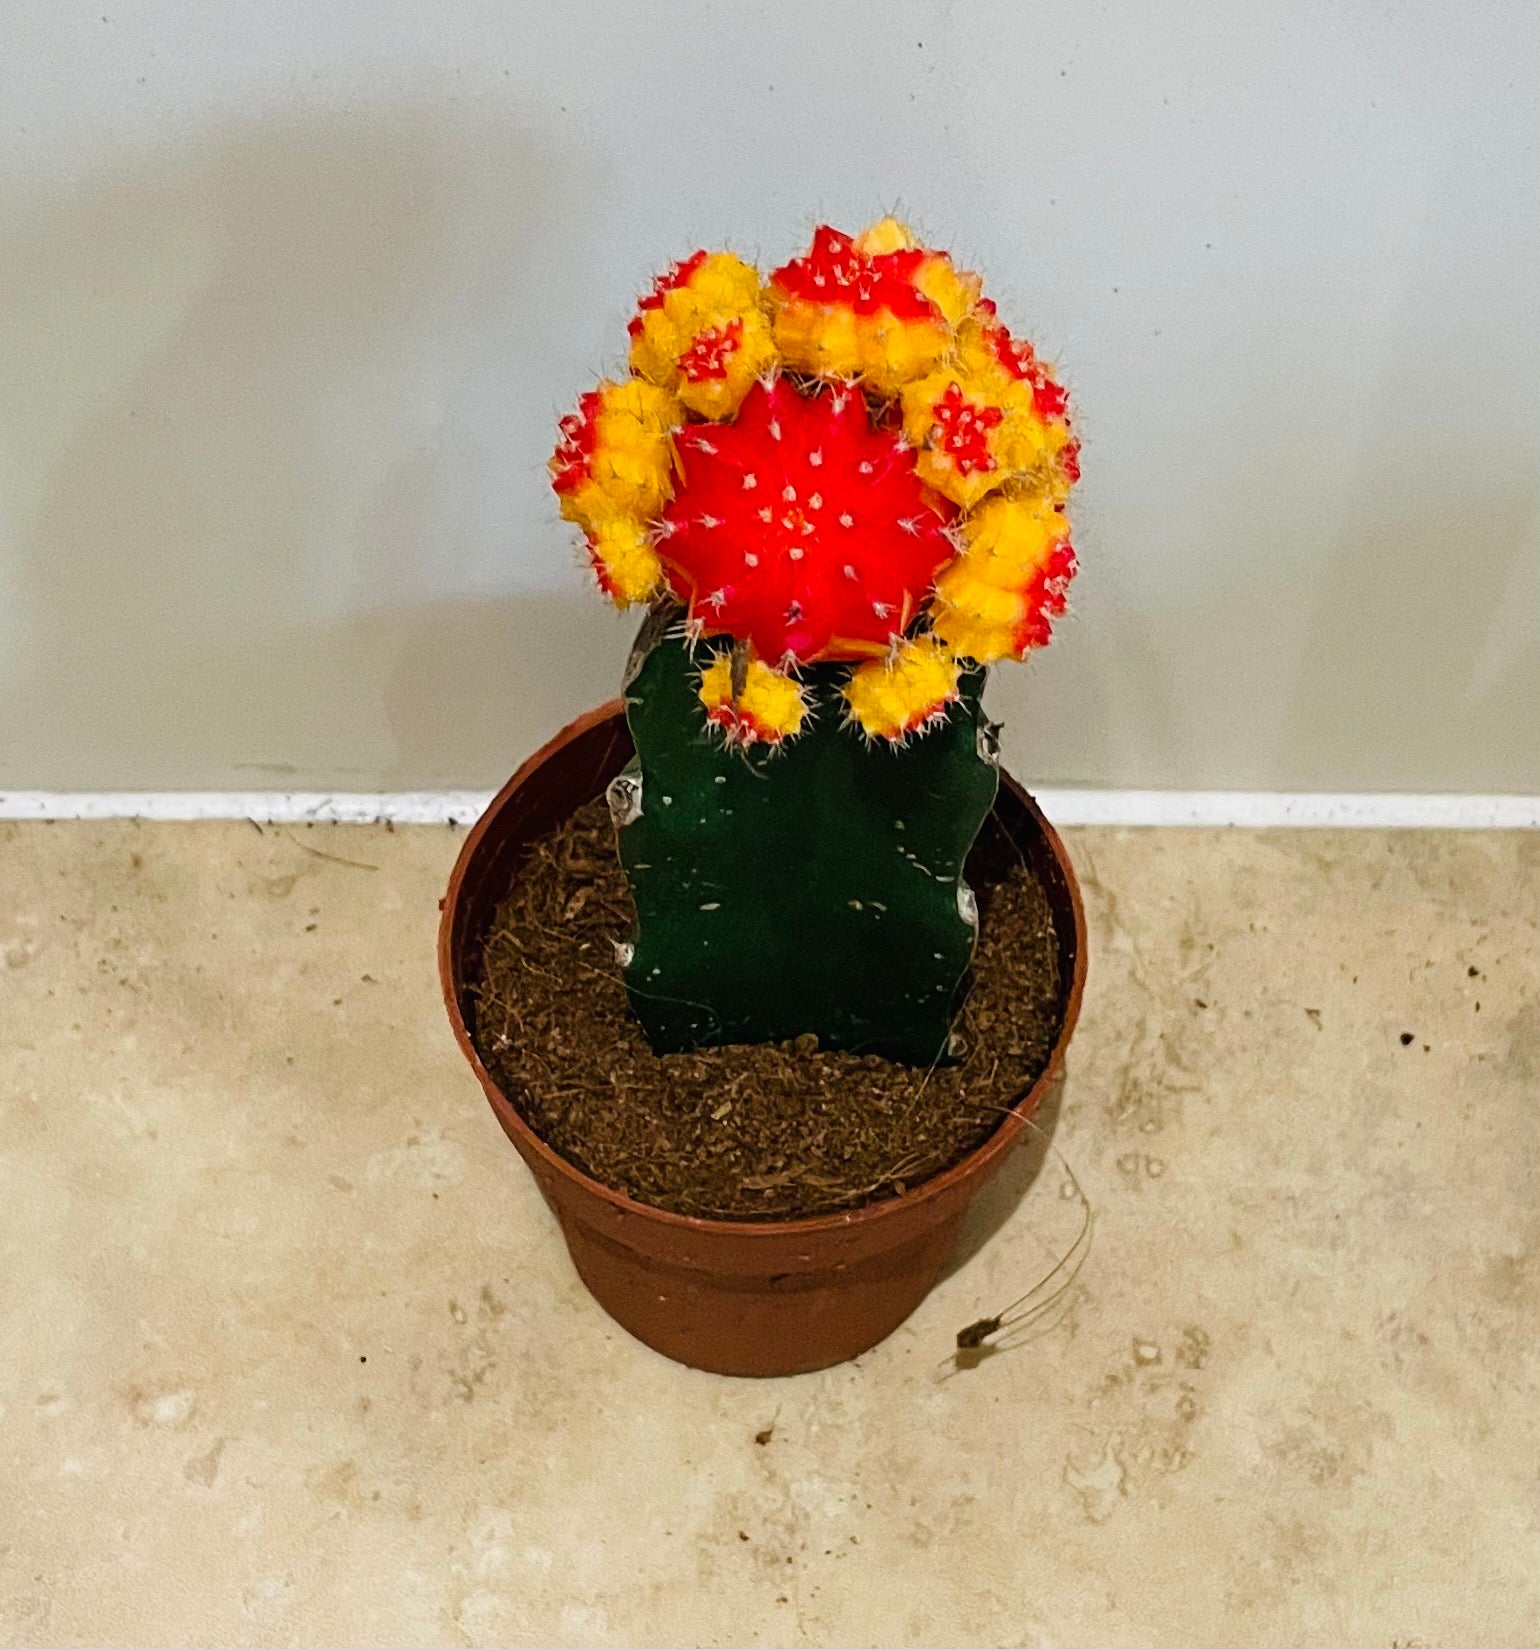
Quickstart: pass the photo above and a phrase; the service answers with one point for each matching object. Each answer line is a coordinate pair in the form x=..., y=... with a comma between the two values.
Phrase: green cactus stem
x=812, y=887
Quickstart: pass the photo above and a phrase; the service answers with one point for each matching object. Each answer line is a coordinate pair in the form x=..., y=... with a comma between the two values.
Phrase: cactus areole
x=841, y=492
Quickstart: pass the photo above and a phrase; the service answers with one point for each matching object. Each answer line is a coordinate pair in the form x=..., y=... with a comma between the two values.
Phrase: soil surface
x=748, y=1132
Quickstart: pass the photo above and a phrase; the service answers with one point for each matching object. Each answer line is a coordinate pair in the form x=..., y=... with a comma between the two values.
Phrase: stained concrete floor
x=291, y=1351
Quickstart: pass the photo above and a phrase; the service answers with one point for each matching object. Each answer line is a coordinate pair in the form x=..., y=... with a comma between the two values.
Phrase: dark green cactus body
x=816, y=887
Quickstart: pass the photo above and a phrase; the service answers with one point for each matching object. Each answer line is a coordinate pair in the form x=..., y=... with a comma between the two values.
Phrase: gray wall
x=294, y=292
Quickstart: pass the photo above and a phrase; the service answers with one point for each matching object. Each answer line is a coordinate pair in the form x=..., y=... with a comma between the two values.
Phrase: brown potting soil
x=749, y=1132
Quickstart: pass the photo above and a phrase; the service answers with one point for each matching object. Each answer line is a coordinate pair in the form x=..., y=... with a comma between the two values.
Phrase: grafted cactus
x=842, y=491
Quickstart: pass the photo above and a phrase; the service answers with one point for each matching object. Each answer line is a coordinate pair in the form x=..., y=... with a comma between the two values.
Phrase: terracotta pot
x=762, y=1297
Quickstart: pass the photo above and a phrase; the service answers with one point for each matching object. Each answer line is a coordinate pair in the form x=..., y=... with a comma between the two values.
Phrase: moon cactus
x=842, y=492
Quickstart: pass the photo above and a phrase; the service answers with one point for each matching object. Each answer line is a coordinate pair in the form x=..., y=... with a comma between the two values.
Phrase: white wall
x=293, y=291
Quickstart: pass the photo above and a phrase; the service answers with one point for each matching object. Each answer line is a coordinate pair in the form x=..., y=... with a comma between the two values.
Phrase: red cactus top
x=802, y=526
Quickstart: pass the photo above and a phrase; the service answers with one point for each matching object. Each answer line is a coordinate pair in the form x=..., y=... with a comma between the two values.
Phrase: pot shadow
x=999, y=1200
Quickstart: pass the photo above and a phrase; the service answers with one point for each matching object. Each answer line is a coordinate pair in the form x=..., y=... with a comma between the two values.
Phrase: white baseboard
x=1255, y=809
x=1269, y=809
x=265, y=806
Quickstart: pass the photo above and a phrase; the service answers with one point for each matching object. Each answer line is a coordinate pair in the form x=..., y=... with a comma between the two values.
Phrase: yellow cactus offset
x=954, y=292
x=819, y=339
x=624, y=560
x=975, y=618
x=702, y=334
x=768, y=707
x=1019, y=532
x=895, y=352
x=886, y=235
x=900, y=695
x=990, y=414
x=876, y=306
x=999, y=597
x=616, y=453
x=975, y=430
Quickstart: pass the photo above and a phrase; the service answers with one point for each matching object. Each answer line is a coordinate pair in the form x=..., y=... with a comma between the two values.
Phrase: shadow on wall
x=271, y=426
x=244, y=479
x=1098, y=701
x=1427, y=621
x=1454, y=645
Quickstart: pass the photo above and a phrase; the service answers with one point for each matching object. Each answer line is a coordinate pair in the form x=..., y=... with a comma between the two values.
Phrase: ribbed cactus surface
x=812, y=887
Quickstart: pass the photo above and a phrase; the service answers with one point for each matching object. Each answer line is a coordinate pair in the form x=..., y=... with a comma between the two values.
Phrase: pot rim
x=1017, y=1113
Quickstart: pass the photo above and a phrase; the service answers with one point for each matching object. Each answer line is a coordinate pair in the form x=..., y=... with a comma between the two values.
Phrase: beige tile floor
x=291, y=1352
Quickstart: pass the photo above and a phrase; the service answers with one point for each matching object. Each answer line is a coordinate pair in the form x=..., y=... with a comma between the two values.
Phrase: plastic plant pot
x=772, y=1297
